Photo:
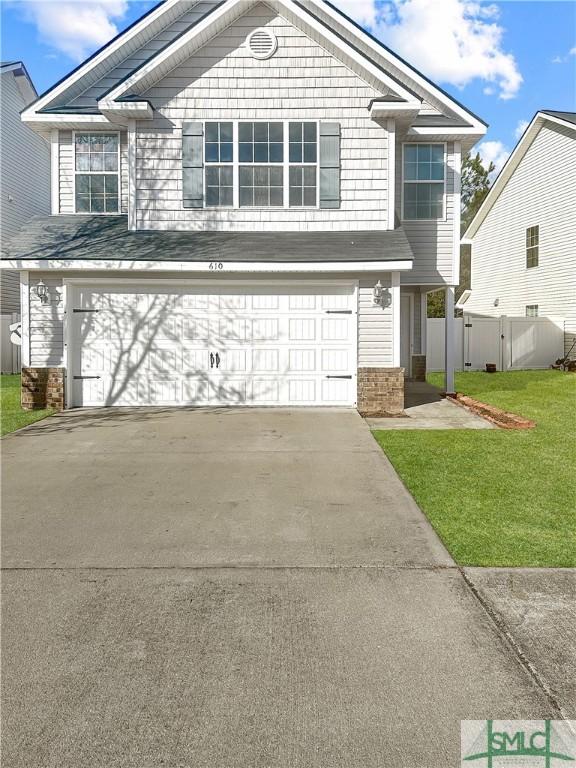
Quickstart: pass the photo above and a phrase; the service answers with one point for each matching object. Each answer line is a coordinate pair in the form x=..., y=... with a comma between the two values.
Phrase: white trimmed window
x=219, y=158
x=267, y=164
x=532, y=246
x=96, y=172
x=424, y=179
x=531, y=310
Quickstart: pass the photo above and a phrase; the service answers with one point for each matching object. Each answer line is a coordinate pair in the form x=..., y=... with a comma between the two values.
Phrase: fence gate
x=513, y=343
x=482, y=342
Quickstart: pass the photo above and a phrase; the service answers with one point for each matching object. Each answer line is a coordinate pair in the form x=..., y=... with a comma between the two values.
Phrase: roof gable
x=539, y=121
x=170, y=33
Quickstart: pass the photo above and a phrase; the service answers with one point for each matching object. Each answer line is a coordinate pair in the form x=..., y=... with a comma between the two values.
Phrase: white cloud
x=75, y=27
x=452, y=41
x=520, y=128
x=364, y=12
x=493, y=152
x=564, y=59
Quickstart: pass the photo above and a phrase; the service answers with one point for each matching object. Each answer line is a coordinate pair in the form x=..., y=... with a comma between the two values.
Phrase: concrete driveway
x=234, y=588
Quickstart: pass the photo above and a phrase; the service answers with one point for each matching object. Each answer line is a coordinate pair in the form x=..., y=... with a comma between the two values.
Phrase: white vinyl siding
x=47, y=320
x=66, y=177
x=300, y=82
x=432, y=241
x=25, y=163
x=540, y=191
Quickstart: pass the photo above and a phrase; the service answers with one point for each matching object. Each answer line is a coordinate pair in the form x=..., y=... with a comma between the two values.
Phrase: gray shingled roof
x=107, y=237
x=569, y=117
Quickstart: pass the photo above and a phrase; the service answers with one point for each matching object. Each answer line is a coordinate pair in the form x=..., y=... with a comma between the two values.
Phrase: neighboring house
x=24, y=169
x=249, y=203
x=524, y=235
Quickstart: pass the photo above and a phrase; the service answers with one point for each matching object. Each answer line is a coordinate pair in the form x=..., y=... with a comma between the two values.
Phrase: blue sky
x=503, y=59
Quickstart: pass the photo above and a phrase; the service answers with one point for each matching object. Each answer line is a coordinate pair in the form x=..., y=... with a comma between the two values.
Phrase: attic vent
x=262, y=43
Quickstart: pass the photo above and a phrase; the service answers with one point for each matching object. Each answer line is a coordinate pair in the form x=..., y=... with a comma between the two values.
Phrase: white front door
x=213, y=345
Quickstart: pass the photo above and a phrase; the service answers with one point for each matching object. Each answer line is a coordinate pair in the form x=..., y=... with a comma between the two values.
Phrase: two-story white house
x=524, y=235
x=24, y=169
x=250, y=202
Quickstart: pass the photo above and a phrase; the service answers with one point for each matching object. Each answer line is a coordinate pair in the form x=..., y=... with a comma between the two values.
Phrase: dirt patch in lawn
x=502, y=419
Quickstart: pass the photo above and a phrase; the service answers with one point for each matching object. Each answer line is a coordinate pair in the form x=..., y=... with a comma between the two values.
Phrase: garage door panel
x=269, y=346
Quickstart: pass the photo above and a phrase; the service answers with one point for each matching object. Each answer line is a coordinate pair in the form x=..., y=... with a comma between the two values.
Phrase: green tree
x=475, y=185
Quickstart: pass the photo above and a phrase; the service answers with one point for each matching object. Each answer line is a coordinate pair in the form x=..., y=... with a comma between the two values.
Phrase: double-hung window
x=532, y=246
x=424, y=177
x=96, y=172
x=219, y=157
x=303, y=158
x=261, y=158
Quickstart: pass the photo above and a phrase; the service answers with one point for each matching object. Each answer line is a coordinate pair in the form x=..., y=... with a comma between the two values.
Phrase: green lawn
x=11, y=414
x=499, y=497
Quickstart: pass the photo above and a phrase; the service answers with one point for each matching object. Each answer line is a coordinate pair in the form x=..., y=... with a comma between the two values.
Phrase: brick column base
x=380, y=391
x=419, y=367
x=43, y=388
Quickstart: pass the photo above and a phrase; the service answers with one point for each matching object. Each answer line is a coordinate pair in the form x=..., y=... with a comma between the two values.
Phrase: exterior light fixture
x=381, y=295
x=42, y=292
x=496, y=302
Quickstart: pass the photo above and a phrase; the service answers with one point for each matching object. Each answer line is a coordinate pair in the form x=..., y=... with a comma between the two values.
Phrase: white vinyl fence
x=9, y=352
x=512, y=343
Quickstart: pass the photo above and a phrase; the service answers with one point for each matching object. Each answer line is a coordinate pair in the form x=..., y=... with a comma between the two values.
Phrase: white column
x=395, y=292
x=54, y=173
x=423, y=322
x=391, y=127
x=457, y=215
x=132, y=174
x=25, y=319
x=450, y=340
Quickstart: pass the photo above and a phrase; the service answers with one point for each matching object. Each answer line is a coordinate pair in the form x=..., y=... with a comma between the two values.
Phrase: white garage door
x=208, y=345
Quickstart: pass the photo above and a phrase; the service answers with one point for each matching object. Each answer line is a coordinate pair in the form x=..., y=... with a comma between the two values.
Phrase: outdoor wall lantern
x=42, y=292
x=381, y=295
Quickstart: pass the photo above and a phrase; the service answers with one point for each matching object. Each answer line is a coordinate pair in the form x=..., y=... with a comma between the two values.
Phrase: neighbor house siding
x=223, y=82
x=25, y=163
x=66, y=165
x=47, y=320
x=432, y=241
x=541, y=191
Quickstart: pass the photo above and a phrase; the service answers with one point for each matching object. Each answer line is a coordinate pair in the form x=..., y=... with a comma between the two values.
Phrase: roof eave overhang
x=130, y=110
x=118, y=265
x=404, y=110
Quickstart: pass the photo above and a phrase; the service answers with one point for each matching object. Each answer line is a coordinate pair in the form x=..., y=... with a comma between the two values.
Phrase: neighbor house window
x=96, y=166
x=303, y=159
x=219, y=156
x=531, y=310
x=424, y=176
x=532, y=243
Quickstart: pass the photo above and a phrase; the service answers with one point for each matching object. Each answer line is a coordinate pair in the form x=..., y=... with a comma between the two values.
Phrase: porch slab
x=425, y=408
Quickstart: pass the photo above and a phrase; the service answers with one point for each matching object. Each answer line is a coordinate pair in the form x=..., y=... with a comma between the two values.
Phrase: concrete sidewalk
x=425, y=408
x=235, y=588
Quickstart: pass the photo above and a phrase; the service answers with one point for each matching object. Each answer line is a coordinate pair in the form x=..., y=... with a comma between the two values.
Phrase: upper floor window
x=219, y=156
x=531, y=310
x=96, y=172
x=532, y=246
x=424, y=179
x=261, y=164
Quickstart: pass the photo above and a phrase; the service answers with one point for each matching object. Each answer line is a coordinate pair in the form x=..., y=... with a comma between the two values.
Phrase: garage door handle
x=217, y=360
x=85, y=310
x=211, y=360
x=339, y=377
x=86, y=377
x=338, y=311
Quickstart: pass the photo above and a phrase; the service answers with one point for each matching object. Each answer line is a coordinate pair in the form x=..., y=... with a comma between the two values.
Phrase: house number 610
x=216, y=265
